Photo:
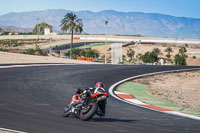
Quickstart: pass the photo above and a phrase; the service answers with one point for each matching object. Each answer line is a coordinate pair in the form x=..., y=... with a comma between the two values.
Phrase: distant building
x=47, y=31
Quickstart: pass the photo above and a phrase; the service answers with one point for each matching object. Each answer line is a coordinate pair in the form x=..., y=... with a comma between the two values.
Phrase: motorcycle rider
x=99, y=87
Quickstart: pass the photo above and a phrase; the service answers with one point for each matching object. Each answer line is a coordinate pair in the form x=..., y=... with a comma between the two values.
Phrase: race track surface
x=32, y=98
x=75, y=45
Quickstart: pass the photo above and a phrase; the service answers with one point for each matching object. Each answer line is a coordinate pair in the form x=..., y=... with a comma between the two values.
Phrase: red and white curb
x=125, y=97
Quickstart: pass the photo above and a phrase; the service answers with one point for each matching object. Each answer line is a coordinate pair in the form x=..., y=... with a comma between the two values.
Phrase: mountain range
x=129, y=23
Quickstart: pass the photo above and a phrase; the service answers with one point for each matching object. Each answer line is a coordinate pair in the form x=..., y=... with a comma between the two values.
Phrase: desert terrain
x=141, y=49
x=14, y=58
x=181, y=88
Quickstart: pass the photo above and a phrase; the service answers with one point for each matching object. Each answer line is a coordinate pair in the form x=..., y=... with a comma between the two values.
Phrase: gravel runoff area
x=13, y=58
x=181, y=88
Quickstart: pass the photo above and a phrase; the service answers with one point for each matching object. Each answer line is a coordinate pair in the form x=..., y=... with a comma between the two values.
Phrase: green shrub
x=130, y=53
x=30, y=51
x=194, y=57
x=179, y=60
x=82, y=52
x=150, y=57
x=4, y=50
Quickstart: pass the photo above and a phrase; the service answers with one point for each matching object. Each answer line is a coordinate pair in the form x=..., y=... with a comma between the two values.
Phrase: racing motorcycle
x=84, y=106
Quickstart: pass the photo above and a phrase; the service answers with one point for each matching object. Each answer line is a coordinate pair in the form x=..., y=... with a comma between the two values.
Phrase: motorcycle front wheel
x=66, y=112
x=88, y=112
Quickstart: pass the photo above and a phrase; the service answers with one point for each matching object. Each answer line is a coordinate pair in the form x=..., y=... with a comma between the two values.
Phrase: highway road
x=32, y=98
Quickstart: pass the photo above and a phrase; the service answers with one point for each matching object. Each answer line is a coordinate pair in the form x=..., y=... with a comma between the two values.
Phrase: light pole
x=38, y=28
x=106, y=23
x=38, y=32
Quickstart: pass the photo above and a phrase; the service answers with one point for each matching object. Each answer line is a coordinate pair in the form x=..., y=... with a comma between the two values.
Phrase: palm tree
x=168, y=50
x=157, y=51
x=71, y=23
x=130, y=53
x=182, y=51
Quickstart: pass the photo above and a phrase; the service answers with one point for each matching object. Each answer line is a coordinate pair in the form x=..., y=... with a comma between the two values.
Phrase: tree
x=180, y=58
x=139, y=56
x=124, y=57
x=130, y=53
x=182, y=51
x=42, y=27
x=168, y=50
x=150, y=57
x=157, y=51
x=168, y=55
x=71, y=23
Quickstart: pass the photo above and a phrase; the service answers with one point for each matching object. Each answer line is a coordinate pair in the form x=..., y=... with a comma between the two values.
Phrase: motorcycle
x=85, y=106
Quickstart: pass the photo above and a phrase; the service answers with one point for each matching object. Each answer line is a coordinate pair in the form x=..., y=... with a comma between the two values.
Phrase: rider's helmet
x=99, y=85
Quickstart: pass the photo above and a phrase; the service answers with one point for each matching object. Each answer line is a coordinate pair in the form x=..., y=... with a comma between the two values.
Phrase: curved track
x=32, y=98
x=75, y=45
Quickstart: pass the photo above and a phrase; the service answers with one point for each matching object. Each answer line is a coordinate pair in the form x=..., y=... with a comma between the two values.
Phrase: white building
x=46, y=31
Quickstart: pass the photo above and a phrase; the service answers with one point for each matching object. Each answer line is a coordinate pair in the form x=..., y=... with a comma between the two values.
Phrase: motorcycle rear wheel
x=85, y=115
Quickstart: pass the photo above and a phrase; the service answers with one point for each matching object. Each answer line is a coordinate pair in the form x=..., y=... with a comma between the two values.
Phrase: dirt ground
x=181, y=88
x=13, y=58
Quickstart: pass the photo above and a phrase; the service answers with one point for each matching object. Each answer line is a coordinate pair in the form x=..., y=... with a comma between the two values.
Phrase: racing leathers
x=89, y=92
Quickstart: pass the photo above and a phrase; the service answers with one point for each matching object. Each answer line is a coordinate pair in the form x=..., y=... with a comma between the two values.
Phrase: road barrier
x=86, y=58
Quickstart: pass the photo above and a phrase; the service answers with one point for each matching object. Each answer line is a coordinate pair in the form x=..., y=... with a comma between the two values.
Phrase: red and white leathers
x=75, y=98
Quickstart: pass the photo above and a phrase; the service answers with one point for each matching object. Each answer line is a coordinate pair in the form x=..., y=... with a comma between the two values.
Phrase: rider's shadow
x=112, y=120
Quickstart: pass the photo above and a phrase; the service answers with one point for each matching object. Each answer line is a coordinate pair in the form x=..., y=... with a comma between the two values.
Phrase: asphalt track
x=75, y=45
x=31, y=100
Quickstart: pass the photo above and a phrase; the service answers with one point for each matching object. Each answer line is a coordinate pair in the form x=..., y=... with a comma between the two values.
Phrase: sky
x=179, y=8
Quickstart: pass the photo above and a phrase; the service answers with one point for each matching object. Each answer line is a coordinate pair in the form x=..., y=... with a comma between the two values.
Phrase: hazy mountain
x=146, y=24
x=19, y=29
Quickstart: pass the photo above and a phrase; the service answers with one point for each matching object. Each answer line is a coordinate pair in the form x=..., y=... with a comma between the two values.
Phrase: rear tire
x=88, y=115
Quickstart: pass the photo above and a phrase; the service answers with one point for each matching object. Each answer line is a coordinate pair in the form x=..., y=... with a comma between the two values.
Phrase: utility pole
x=38, y=31
x=10, y=39
x=106, y=23
x=38, y=28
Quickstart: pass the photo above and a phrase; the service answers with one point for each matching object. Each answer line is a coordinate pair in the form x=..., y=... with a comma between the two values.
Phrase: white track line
x=14, y=66
x=10, y=130
x=139, y=103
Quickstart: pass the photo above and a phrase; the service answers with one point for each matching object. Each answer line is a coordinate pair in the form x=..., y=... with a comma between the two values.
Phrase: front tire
x=87, y=114
x=66, y=112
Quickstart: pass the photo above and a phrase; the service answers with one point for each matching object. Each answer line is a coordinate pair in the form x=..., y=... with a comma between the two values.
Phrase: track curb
x=125, y=97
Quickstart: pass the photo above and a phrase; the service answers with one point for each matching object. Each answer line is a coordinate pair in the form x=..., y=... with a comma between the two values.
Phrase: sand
x=13, y=58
